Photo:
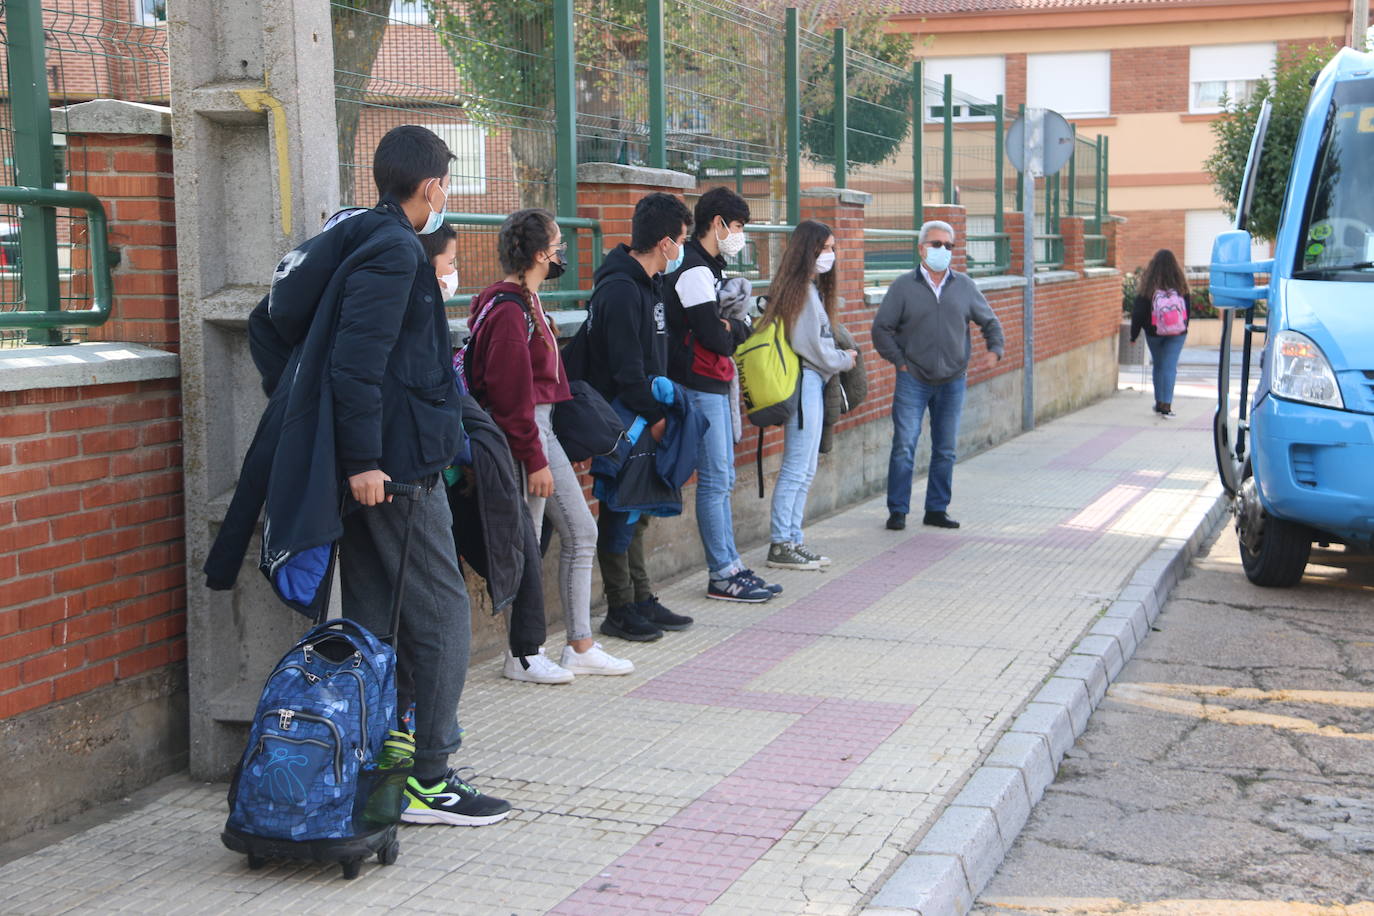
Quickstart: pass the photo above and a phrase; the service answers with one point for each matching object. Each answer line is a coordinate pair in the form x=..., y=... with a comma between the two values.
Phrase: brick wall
x=1149, y=79
x=1145, y=232
x=91, y=537
x=132, y=176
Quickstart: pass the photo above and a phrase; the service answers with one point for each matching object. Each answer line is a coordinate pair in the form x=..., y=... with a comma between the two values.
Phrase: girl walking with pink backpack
x=1160, y=309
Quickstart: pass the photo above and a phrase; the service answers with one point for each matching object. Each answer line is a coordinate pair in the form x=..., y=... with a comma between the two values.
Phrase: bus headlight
x=1302, y=372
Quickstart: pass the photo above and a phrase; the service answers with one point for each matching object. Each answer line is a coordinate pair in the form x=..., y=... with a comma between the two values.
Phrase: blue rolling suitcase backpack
x=323, y=776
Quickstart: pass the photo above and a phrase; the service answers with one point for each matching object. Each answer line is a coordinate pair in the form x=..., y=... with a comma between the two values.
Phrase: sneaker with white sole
x=595, y=660
x=810, y=554
x=537, y=669
x=785, y=556
x=761, y=582
x=737, y=587
x=451, y=801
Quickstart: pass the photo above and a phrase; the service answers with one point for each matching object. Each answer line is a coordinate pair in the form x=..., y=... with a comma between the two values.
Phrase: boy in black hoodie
x=627, y=345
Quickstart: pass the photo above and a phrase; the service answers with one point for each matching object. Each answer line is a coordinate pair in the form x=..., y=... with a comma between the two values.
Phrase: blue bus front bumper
x=1315, y=466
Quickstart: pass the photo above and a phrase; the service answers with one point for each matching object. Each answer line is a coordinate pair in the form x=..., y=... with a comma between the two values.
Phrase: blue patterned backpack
x=321, y=778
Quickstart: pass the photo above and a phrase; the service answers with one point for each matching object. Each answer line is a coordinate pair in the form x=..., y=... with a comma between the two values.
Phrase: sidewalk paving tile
x=777, y=758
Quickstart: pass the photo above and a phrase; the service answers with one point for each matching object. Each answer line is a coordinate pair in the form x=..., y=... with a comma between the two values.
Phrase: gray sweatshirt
x=814, y=342
x=928, y=335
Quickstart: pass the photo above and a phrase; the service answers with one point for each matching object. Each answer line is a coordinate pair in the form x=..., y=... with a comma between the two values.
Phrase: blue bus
x=1296, y=456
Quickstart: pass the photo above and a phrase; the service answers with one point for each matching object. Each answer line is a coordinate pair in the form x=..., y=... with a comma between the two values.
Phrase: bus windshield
x=1338, y=225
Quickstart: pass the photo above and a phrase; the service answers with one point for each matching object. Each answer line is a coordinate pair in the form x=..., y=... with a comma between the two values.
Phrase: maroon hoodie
x=511, y=369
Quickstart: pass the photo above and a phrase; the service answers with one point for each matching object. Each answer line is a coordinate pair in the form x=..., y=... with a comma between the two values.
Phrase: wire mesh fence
x=89, y=52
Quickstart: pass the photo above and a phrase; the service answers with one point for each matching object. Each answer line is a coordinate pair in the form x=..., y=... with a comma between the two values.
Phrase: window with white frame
x=411, y=11
x=150, y=12
x=977, y=82
x=1076, y=84
x=1200, y=229
x=468, y=143
x=1226, y=71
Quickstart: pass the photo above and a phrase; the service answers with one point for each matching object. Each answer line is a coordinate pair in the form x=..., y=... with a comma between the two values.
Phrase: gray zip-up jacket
x=930, y=336
x=814, y=342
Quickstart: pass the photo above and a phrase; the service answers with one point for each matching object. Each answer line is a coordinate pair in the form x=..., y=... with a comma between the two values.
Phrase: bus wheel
x=1273, y=551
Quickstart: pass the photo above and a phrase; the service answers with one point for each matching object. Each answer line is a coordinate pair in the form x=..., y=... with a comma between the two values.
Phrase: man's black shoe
x=896, y=521
x=939, y=520
x=625, y=622
x=659, y=616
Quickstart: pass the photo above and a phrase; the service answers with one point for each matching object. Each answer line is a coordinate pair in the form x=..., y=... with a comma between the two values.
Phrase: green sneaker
x=810, y=554
x=451, y=801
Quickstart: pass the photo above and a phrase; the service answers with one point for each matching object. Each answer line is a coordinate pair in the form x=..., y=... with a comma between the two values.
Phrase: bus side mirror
x=1233, y=272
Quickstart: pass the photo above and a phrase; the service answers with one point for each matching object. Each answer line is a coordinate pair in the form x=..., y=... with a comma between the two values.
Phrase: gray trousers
x=572, y=519
x=436, y=631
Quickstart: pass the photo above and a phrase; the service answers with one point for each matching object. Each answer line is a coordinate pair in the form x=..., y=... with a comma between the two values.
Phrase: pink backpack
x=1169, y=312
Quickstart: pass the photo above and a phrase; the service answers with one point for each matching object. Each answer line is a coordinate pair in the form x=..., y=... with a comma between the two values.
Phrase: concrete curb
x=963, y=849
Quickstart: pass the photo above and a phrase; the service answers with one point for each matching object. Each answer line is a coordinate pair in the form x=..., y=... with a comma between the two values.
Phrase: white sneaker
x=541, y=670
x=595, y=660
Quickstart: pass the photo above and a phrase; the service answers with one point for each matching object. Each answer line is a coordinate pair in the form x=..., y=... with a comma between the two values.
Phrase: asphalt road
x=1230, y=768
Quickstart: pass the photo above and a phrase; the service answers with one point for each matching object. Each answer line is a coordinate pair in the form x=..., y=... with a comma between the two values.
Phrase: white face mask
x=731, y=245
x=449, y=284
x=825, y=262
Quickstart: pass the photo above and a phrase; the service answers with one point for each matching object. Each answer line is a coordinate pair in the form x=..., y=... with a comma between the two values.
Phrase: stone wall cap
x=99, y=363
x=113, y=116
x=843, y=195
x=615, y=173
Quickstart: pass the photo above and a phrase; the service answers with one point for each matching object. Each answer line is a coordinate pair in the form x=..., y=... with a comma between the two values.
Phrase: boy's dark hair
x=406, y=156
x=657, y=216
x=435, y=243
x=722, y=202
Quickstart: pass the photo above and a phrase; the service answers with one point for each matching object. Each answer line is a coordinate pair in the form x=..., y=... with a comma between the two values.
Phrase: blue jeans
x=909, y=403
x=1164, y=353
x=715, y=483
x=801, y=449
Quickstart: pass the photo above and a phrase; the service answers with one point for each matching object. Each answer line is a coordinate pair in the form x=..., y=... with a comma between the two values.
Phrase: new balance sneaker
x=451, y=801
x=536, y=669
x=737, y=588
x=810, y=554
x=625, y=622
x=785, y=556
x=652, y=610
x=595, y=660
x=760, y=582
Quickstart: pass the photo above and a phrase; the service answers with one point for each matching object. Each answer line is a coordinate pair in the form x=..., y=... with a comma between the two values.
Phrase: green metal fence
x=713, y=88
x=54, y=261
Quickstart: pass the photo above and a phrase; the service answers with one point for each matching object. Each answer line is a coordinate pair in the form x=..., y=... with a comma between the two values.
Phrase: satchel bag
x=586, y=426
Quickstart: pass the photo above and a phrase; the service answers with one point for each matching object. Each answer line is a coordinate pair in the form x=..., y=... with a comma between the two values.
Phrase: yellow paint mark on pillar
x=261, y=100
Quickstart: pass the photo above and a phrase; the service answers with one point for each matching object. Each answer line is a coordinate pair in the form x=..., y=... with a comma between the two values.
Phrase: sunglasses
x=935, y=244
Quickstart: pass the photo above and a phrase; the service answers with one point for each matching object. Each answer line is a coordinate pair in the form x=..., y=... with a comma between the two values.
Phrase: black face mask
x=556, y=269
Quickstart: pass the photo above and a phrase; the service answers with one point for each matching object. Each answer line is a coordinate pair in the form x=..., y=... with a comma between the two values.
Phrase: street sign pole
x=1032, y=157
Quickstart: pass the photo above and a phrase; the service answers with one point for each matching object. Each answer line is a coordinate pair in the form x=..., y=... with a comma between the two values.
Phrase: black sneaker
x=451, y=801
x=660, y=616
x=760, y=581
x=625, y=622
x=896, y=521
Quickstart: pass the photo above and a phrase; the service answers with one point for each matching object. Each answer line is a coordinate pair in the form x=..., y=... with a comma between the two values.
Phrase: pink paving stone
x=1084, y=455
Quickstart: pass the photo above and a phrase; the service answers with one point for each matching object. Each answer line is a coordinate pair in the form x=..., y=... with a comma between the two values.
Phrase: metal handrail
x=98, y=242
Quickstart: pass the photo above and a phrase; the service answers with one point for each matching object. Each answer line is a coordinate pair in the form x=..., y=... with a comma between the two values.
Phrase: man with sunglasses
x=922, y=329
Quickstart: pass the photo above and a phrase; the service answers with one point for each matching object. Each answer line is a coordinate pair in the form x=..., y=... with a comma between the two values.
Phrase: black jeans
x=624, y=575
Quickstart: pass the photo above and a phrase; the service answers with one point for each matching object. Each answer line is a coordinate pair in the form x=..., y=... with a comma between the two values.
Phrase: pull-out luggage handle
x=411, y=493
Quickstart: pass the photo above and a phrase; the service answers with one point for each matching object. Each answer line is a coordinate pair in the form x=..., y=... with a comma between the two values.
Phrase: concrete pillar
x=256, y=172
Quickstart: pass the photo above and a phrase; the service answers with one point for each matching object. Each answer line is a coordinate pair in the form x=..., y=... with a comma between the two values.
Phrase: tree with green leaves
x=1288, y=89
